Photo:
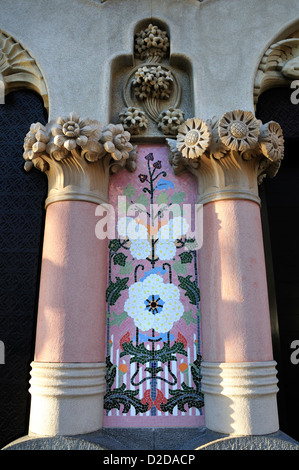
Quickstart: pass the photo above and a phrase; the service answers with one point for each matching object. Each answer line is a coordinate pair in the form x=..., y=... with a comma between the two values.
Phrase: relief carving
x=151, y=89
x=78, y=155
x=230, y=156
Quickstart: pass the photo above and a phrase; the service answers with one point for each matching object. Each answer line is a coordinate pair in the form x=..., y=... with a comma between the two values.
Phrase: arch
x=19, y=70
x=274, y=68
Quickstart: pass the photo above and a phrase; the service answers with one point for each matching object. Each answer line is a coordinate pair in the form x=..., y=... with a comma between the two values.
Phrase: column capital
x=78, y=155
x=229, y=155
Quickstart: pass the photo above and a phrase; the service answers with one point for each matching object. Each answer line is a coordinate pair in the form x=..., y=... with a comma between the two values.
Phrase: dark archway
x=22, y=198
x=280, y=209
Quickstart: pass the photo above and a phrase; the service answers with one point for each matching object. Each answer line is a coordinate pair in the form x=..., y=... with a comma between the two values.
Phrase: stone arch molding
x=278, y=67
x=18, y=69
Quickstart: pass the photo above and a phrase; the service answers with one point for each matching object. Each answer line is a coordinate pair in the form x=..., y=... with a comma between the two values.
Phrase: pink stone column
x=234, y=300
x=71, y=312
x=68, y=372
x=239, y=376
x=234, y=153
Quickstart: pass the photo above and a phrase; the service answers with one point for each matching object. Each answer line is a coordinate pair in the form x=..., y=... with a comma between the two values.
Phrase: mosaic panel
x=153, y=299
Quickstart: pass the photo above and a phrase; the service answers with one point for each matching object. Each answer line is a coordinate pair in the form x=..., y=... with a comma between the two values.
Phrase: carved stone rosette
x=229, y=155
x=78, y=155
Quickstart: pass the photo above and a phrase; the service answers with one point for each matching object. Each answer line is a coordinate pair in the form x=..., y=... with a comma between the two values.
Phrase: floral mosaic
x=153, y=299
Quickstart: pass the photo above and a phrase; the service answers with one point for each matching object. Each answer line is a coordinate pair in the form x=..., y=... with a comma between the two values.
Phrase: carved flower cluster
x=153, y=82
x=170, y=120
x=74, y=136
x=133, y=119
x=236, y=131
x=151, y=42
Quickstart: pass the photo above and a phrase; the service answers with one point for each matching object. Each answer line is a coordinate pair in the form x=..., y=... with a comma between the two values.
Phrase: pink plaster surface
x=71, y=314
x=234, y=301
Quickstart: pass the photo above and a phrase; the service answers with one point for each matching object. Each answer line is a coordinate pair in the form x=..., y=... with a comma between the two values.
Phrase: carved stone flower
x=217, y=148
x=116, y=141
x=170, y=119
x=71, y=131
x=133, y=119
x=239, y=130
x=35, y=144
x=272, y=141
x=153, y=82
x=151, y=42
x=194, y=137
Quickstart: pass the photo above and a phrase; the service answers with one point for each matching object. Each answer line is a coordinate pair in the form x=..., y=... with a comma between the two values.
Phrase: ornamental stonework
x=78, y=155
x=229, y=155
x=152, y=97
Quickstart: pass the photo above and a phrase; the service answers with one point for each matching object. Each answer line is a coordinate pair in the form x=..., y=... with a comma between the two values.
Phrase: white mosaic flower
x=140, y=248
x=154, y=304
x=127, y=227
x=167, y=236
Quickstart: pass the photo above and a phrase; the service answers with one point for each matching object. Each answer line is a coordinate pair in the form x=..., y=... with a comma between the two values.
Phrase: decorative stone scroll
x=18, y=69
x=148, y=98
x=78, y=155
x=230, y=156
x=278, y=67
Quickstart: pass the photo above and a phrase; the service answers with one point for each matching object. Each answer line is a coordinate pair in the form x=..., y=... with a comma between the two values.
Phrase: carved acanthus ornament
x=18, y=69
x=229, y=156
x=78, y=155
x=278, y=67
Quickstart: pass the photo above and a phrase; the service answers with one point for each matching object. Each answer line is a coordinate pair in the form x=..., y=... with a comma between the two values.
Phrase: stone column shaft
x=68, y=372
x=229, y=156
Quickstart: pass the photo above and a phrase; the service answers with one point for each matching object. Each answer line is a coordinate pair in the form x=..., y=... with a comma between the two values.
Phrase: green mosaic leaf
x=126, y=269
x=162, y=198
x=186, y=257
x=188, y=317
x=142, y=199
x=114, y=245
x=195, y=371
x=119, y=259
x=129, y=191
x=114, y=289
x=118, y=318
x=185, y=396
x=120, y=396
x=191, y=288
x=179, y=267
x=167, y=353
x=178, y=198
x=138, y=353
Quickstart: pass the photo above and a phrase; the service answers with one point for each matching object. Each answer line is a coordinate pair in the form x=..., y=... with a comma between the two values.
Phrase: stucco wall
x=75, y=41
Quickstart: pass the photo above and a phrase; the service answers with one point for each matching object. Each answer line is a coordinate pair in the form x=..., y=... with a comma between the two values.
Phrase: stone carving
x=78, y=155
x=133, y=120
x=239, y=130
x=153, y=82
x=170, y=119
x=194, y=137
x=278, y=67
x=18, y=69
x=151, y=44
x=230, y=156
x=153, y=86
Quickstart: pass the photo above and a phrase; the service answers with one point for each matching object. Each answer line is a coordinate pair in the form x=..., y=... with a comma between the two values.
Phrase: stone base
x=137, y=439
